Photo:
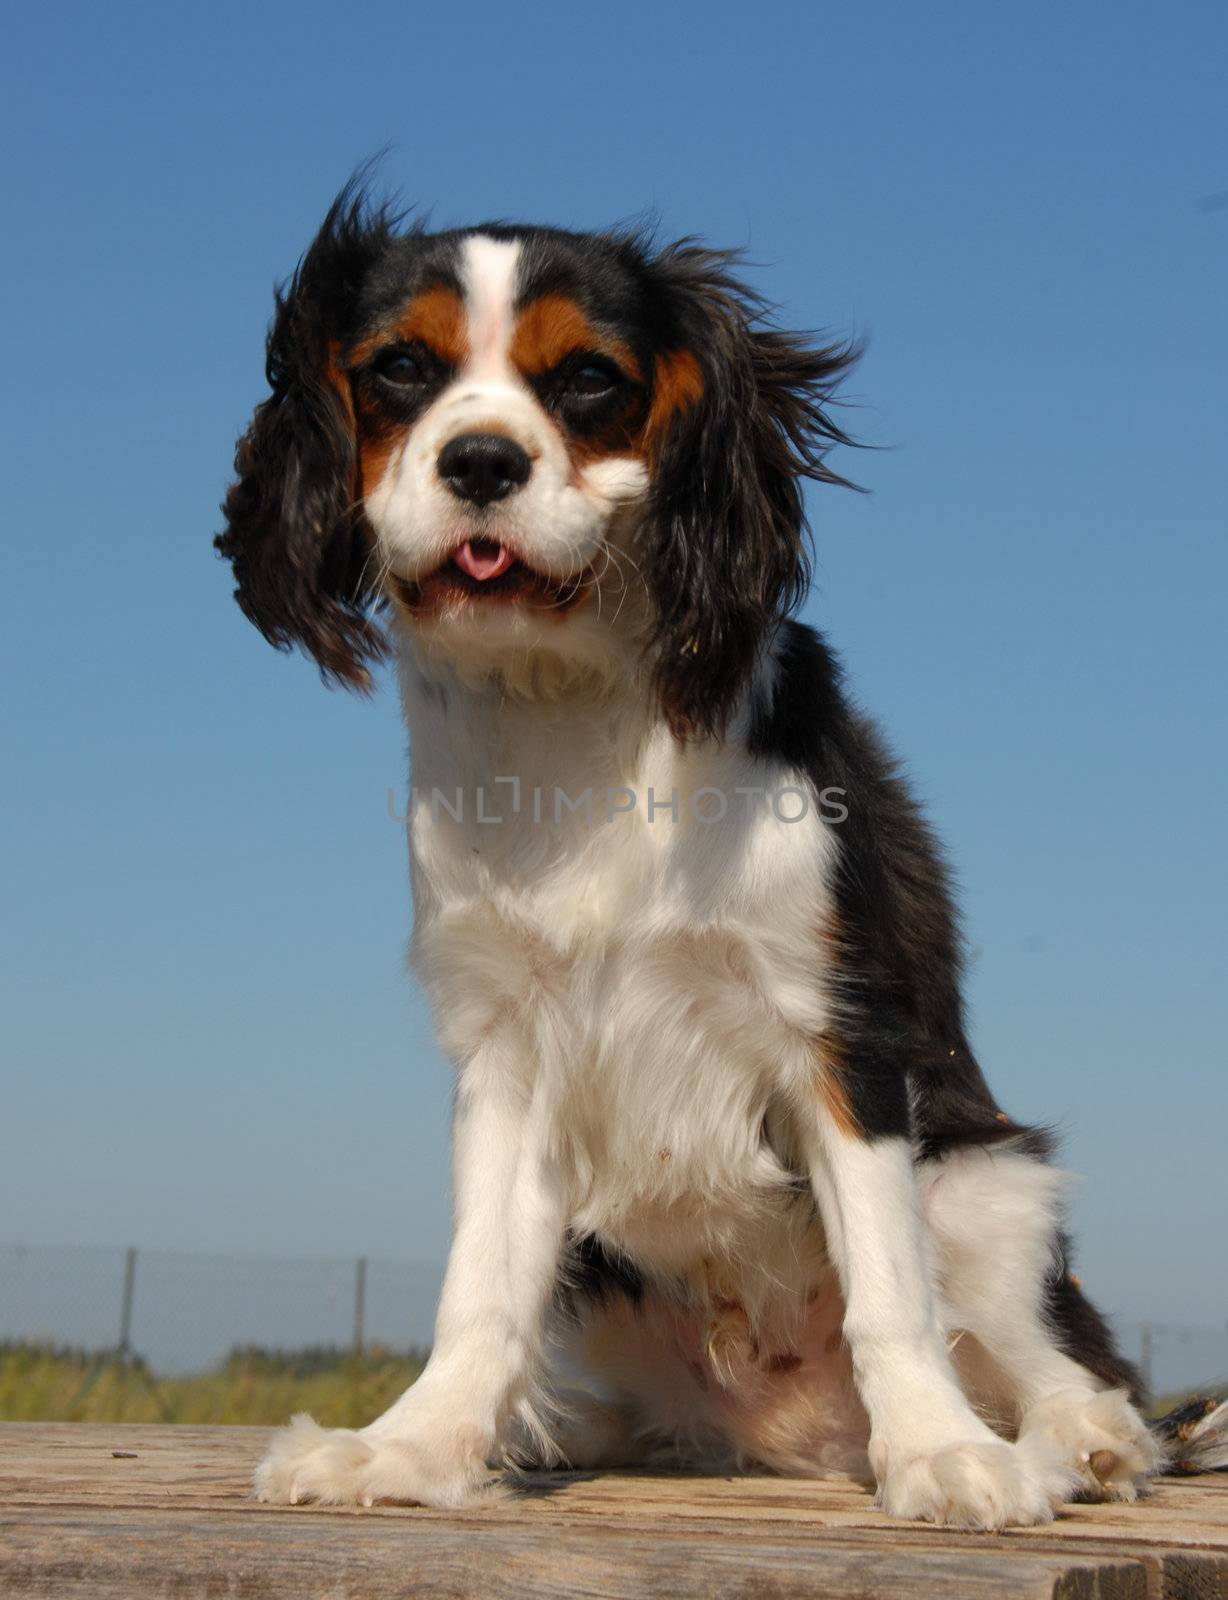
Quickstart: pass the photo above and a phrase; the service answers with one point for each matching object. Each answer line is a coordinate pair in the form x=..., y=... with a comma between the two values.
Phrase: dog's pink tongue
x=483, y=559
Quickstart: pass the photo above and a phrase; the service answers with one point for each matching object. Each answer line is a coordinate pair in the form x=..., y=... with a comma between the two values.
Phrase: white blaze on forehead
x=489, y=273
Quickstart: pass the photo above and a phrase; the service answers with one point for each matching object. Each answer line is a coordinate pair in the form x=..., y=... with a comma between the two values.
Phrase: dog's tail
x=1194, y=1436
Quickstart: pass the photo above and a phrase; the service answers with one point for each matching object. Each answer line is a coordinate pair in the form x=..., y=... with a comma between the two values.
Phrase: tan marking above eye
x=435, y=318
x=554, y=327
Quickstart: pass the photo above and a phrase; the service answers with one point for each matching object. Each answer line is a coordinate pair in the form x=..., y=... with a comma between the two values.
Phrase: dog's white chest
x=652, y=938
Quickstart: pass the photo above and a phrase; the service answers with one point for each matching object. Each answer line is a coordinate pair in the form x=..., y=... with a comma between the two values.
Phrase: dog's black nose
x=481, y=467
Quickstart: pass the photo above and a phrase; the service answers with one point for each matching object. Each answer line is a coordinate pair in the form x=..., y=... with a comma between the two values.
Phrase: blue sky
x=208, y=1035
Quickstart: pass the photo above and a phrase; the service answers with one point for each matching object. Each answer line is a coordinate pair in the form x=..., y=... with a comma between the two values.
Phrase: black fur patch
x=591, y=1273
x=897, y=942
x=908, y=1068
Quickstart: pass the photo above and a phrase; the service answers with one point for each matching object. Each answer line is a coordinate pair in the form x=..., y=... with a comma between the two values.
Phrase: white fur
x=631, y=1004
x=489, y=269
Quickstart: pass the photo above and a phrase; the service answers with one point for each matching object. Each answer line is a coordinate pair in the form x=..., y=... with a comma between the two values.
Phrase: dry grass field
x=45, y=1384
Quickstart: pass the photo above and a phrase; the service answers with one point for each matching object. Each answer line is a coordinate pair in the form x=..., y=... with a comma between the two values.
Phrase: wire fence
x=182, y=1312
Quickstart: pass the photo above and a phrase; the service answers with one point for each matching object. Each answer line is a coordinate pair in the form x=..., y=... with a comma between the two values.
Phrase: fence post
x=125, y=1310
x=1144, y=1357
x=360, y=1306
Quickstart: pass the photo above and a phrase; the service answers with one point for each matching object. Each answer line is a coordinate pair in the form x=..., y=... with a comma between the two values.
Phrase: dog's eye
x=592, y=380
x=402, y=368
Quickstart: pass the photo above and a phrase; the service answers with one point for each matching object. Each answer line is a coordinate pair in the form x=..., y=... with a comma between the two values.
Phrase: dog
x=731, y=1190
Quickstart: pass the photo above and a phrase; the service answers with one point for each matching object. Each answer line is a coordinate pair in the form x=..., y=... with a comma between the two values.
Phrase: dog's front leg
x=433, y=1445
x=932, y=1455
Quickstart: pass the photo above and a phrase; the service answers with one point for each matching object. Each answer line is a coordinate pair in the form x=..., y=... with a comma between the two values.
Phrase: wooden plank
x=170, y=1515
x=141, y=1553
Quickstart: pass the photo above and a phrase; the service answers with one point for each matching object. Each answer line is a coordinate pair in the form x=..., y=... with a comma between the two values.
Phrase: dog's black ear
x=738, y=418
x=293, y=531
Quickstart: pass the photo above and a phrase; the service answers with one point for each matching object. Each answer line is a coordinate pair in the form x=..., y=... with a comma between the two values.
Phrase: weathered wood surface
x=173, y=1519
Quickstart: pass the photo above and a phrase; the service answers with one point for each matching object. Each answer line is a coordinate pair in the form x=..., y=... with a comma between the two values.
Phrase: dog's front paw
x=307, y=1462
x=341, y=1467
x=979, y=1484
x=1100, y=1437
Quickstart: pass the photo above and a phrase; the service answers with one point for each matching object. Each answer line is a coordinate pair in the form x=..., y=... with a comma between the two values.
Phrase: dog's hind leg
x=1036, y=1357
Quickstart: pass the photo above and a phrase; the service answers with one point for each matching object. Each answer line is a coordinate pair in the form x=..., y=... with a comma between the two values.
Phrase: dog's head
x=527, y=441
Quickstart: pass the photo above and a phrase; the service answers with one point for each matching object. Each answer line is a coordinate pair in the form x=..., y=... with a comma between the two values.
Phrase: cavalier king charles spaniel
x=731, y=1190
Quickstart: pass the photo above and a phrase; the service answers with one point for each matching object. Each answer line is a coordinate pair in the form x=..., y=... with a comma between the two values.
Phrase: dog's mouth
x=486, y=569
